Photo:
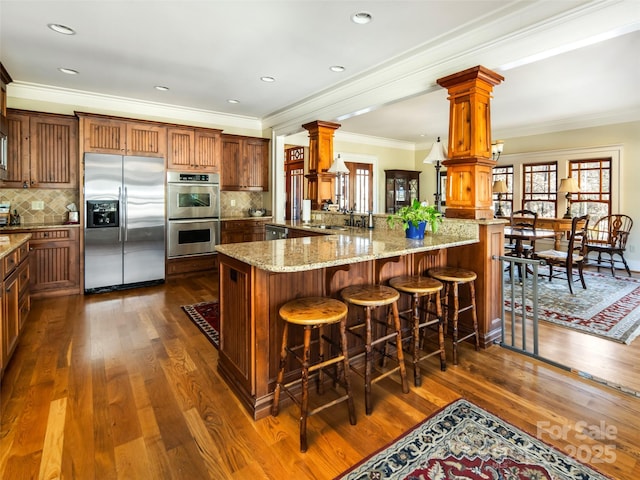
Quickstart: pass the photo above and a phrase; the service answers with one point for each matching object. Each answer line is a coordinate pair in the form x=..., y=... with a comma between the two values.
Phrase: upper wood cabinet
x=42, y=150
x=194, y=149
x=245, y=163
x=122, y=136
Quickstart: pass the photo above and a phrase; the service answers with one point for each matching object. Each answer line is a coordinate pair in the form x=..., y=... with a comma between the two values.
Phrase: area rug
x=206, y=316
x=608, y=308
x=463, y=441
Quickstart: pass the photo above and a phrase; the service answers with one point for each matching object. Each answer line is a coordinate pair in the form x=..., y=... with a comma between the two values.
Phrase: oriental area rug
x=608, y=308
x=463, y=441
x=206, y=316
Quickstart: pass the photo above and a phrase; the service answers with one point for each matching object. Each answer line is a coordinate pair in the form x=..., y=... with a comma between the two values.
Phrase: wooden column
x=320, y=184
x=469, y=167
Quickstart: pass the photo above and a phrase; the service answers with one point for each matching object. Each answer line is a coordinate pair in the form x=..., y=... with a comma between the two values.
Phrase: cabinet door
x=17, y=150
x=180, y=148
x=208, y=150
x=146, y=140
x=11, y=315
x=103, y=135
x=53, y=152
x=255, y=171
x=231, y=155
x=54, y=262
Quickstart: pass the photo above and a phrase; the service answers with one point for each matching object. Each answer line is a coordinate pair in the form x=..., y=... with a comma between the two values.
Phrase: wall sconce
x=499, y=187
x=339, y=169
x=568, y=186
x=496, y=149
x=436, y=155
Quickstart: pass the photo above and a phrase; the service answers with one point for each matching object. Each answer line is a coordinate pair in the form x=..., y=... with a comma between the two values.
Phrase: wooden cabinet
x=120, y=136
x=54, y=261
x=180, y=267
x=245, y=163
x=15, y=301
x=194, y=149
x=402, y=187
x=302, y=232
x=235, y=231
x=42, y=150
x=5, y=79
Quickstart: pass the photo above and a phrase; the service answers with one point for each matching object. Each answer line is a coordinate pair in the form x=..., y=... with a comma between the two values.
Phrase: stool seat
x=313, y=314
x=423, y=290
x=370, y=295
x=452, y=274
x=313, y=310
x=416, y=284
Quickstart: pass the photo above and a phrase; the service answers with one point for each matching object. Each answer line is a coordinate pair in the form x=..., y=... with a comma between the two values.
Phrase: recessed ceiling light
x=63, y=29
x=361, y=18
x=161, y=88
x=68, y=71
x=336, y=68
x=233, y=100
x=268, y=79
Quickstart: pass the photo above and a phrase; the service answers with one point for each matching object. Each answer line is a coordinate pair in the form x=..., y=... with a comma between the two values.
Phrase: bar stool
x=423, y=290
x=453, y=277
x=312, y=313
x=370, y=297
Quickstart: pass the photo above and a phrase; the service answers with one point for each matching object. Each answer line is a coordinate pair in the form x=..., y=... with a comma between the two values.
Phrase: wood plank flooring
x=123, y=386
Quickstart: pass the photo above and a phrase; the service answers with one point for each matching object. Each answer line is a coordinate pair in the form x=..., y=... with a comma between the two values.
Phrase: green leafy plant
x=414, y=214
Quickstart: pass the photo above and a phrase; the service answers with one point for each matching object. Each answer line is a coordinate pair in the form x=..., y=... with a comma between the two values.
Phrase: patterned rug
x=609, y=307
x=206, y=316
x=463, y=441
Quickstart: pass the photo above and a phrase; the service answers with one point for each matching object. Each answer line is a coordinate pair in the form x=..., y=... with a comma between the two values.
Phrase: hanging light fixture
x=496, y=149
x=437, y=155
x=339, y=169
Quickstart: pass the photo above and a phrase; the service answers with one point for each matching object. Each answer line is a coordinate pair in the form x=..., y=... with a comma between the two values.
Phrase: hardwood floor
x=123, y=386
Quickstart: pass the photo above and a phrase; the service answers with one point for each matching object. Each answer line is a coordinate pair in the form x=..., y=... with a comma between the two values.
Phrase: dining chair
x=609, y=236
x=521, y=219
x=573, y=257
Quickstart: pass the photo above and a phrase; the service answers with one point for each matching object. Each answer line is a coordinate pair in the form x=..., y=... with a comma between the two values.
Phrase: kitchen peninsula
x=256, y=278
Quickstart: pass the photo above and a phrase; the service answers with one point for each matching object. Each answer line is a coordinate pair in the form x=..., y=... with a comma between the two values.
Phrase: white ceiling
x=207, y=52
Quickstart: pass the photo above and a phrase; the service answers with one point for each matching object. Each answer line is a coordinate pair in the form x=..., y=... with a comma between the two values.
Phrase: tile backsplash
x=237, y=204
x=54, y=204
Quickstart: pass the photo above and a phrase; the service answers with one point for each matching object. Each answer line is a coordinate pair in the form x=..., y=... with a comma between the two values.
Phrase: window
x=359, y=187
x=294, y=171
x=506, y=199
x=539, y=186
x=594, y=180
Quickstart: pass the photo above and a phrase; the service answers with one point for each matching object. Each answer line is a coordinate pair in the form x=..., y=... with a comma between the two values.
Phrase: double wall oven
x=193, y=213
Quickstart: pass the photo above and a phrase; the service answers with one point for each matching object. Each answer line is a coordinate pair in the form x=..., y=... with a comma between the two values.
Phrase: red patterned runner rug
x=206, y=316
x=463, y=441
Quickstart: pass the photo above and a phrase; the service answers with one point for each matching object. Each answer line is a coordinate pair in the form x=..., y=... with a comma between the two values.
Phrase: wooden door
x=181, y=148
x=104, y=135
x=208, y=150
x=53, y=152
x=17, y=151
x=146, y=139
x=231, y=154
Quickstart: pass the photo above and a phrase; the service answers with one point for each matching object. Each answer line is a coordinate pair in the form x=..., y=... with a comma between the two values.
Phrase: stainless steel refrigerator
x=124, y=234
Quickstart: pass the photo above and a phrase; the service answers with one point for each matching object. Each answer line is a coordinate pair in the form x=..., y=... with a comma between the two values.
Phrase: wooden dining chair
x=523, y=219
x=573, y=257
x=609, y=236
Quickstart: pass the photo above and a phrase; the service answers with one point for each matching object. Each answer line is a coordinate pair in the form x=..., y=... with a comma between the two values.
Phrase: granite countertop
x=246, y=217
x=8, y=243
x=34, y=226
x=340, y=247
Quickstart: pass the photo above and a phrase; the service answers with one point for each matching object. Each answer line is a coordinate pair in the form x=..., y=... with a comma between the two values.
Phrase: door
x=143, y=218
x=102, y=246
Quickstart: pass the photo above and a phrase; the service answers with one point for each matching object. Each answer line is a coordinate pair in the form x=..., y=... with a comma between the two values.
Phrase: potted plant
x=414, y=218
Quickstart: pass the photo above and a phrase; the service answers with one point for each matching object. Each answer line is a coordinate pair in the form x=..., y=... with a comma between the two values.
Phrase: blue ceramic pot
x=416, y=233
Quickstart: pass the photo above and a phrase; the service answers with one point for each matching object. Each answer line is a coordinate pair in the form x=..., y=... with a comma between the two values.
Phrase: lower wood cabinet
x=179, y=267
x=235, y=231
x=15, y=301
x=54, y=261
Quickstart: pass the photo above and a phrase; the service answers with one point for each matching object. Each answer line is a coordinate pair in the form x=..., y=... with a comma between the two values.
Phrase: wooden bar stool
x=453, y=277
x=313, y=313
x=370, y=297
x=423, y=291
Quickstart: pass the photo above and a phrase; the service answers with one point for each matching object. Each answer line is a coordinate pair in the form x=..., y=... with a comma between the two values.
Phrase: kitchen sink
x=328, y=227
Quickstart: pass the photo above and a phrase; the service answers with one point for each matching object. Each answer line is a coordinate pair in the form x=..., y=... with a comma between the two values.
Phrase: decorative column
x=469, y=167
x=320, y=184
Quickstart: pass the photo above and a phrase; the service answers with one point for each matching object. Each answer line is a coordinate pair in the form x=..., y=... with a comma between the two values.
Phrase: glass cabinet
x=402, y=187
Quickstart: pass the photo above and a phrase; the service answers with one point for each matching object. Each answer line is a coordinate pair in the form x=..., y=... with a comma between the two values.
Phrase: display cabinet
x=402, y=187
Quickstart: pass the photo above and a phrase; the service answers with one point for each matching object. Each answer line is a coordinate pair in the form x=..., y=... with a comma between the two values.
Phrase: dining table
x=525, y=234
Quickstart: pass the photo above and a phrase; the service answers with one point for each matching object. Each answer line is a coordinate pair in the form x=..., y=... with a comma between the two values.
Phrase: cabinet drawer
x=23, y=252
x=11, y=262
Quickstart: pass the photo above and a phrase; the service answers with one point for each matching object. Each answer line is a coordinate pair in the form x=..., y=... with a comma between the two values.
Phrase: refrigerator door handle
x=120, y=214
x=126, y=216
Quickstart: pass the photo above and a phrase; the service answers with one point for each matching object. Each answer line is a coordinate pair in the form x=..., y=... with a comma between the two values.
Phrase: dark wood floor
x=124, y=386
